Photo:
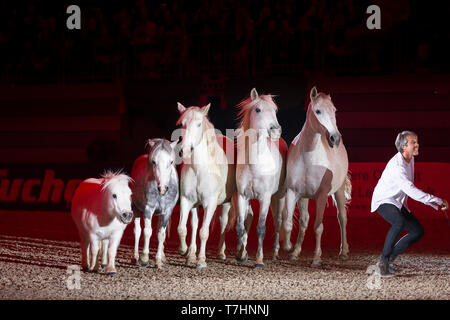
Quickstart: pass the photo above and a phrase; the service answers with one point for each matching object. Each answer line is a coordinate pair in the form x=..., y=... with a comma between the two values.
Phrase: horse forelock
x=161, y=144
x=246, y=105
x=109, y=178
x=324, y=97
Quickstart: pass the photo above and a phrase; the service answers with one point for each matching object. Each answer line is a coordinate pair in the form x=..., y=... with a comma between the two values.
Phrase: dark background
x=83, y=101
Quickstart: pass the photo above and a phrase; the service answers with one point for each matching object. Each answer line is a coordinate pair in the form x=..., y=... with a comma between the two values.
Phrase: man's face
x=412, y=146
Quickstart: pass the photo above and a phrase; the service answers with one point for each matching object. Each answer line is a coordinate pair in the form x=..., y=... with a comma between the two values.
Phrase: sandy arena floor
x=38, y=269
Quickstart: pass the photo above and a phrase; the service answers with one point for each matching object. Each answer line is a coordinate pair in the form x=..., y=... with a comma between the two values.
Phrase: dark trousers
x=400, y=220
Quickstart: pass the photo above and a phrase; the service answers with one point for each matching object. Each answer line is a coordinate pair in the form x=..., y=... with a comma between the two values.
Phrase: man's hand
x=444, y=205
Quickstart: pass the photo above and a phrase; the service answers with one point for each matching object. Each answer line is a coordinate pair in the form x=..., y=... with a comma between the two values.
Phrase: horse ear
x=151, y=143
x=205, y=109
x=173, y=144
x=313, y=93
x=181, y=108
x=253, y=94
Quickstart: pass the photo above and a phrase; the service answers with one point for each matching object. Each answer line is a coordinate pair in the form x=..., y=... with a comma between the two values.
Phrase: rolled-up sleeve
x=412, y=191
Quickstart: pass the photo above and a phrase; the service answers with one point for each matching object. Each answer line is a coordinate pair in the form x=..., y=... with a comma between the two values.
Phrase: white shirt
x=397, y=184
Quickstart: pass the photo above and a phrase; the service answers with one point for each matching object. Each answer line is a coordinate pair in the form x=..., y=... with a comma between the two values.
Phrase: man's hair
x=402, y=139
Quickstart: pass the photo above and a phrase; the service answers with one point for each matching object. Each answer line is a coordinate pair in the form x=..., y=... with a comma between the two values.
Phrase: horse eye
x=318, y=112
x=258, y=110
x=153, y=161
x=115, y=196
x=171, y=162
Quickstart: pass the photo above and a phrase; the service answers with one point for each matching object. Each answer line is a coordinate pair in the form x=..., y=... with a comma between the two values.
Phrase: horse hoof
x=259, y=266
x=182, y=251
x=144, y=263
x=200, y=266
x=103, y=266
x=243, y=259
x=316, y=263
x=222, y=257
x=293, y=257
x=112, y=273
x=160, y=266
x=343, y=257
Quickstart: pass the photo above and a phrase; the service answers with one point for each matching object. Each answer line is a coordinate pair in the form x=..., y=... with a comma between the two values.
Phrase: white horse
x=207, y=179
x=101, y=210
x=260, y=171
x=155, y=191
x=317, y=167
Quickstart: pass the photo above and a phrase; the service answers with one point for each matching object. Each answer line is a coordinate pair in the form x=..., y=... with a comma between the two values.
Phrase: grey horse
x=155, y=191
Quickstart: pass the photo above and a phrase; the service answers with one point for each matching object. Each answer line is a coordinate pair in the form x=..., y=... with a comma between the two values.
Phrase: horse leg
x=185, y=206
x=147, y=234
x=161, y=238
x=277, y=207
x=94, y=246
x=105, y=252
x=112, y=251
x=261, y=229
x=192, y=252
x=84, y=244
x=304, y=219
x=204, y=233
x=242, y=229
x=342, y=218
x=318, y=226
x=223, y=225
x=137, y=235
x=291, y=199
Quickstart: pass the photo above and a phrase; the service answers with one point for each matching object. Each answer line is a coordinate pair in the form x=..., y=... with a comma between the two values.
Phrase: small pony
x=155, y=191
x=101, y=210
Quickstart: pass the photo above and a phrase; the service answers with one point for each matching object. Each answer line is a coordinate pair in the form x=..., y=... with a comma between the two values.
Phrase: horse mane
x=246, y=105
x=109, y=177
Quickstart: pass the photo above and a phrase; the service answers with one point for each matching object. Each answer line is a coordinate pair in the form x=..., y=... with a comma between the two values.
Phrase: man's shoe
x=383, y=268
x=391, y=266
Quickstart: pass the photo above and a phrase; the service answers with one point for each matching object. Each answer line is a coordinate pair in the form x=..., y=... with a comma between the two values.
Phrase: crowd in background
x=157, y=37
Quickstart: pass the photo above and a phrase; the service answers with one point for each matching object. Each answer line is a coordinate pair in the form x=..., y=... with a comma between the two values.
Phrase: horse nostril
x=159, y=189
x=332, y=139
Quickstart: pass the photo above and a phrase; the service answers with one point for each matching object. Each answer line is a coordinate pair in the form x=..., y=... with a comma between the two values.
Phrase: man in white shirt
x=390, y=198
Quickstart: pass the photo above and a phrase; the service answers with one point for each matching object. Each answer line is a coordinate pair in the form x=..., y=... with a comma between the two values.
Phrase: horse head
x=117, y=193
x=161, y=157
x=322, y=116
x=194, y=124
x=259, y=113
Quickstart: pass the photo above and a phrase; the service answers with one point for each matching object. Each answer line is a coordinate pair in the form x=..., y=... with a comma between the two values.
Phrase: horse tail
x=348, y=189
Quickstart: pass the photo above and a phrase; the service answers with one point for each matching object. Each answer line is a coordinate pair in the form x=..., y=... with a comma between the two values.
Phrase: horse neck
x=201, y=159
x=310, y=137
x=252, y=147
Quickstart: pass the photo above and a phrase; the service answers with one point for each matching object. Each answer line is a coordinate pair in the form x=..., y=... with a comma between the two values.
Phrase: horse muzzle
x=275, y=132
x=334, y=140
x=126, y=217
x=162, y=190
